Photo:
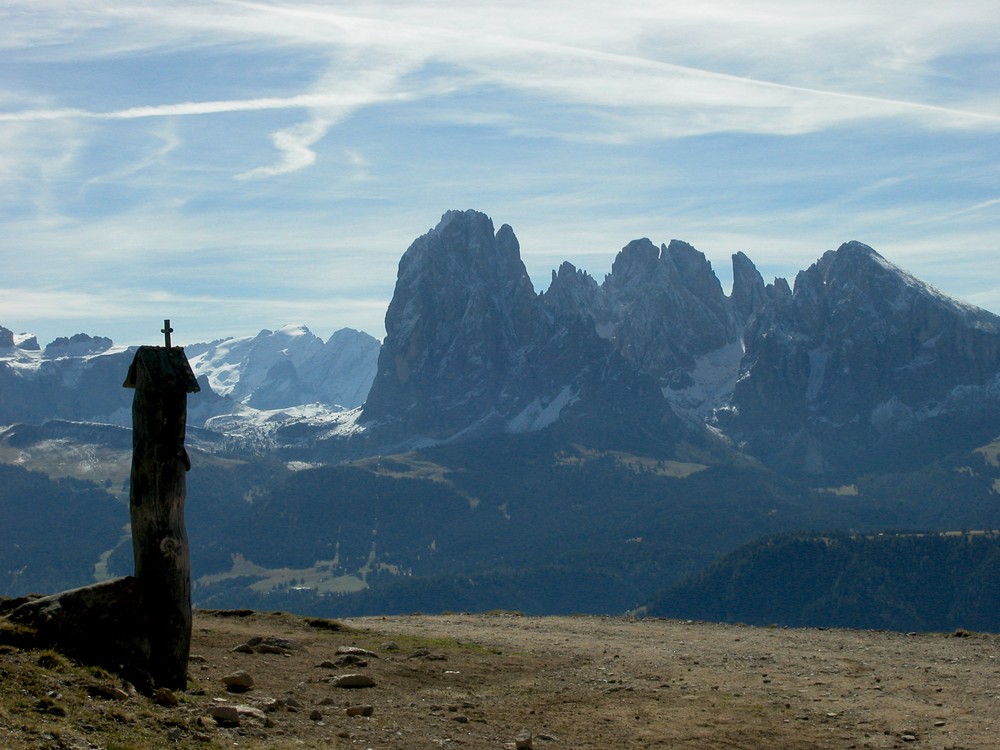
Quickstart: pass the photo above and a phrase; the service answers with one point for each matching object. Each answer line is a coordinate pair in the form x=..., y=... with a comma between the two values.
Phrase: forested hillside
x=53, y=532
x=935, y=581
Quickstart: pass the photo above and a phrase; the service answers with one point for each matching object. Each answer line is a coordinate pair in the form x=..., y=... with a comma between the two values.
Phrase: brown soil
x=555, y=683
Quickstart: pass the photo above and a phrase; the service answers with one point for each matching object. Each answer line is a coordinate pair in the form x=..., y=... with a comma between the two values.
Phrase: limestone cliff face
x=660, y=307
x=462, y=317
x=864, y=349
x=749, y=293
x=470, y=347
x=859, y=331
x=650, y=291
x=855, y=356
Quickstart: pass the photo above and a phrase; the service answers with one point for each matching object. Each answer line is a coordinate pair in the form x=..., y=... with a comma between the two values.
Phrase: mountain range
x=857, y=362
x=482, y=437
x=248, y=379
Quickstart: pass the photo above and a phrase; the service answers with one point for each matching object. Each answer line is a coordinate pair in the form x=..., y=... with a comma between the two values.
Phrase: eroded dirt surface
x=555, y=683
x=604, y=682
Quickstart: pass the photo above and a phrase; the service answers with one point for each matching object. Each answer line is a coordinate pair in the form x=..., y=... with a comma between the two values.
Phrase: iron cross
x=166, y=331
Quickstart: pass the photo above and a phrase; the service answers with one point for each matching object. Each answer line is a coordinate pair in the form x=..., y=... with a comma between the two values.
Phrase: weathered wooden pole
x=162, y=378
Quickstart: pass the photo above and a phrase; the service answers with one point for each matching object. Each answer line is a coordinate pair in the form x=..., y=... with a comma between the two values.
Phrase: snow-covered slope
x=80, y=378
x=77, y=378
x=289, y=366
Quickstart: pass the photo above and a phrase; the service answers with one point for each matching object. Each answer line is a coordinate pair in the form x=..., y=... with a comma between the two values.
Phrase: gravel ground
x=605, y=682
x=505, y=681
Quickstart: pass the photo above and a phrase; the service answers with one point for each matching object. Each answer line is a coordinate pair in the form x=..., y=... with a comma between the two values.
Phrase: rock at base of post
x=103, y=624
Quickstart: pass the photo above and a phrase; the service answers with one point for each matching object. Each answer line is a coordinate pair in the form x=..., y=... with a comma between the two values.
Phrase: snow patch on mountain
x=26, y=342
x=264, y=430
x=29, y=360
x=922, y=287
x=541, y=413
x=709, y=385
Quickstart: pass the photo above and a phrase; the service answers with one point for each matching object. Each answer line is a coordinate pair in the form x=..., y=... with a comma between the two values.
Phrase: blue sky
x=235, y=166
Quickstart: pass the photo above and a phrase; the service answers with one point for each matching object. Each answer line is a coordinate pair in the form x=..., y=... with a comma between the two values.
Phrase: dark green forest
x=510, y=526
x=904, y=581
x=53, y=532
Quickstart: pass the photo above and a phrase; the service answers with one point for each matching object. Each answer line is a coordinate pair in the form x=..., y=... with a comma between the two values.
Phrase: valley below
x=503, y=680
x=804, y=452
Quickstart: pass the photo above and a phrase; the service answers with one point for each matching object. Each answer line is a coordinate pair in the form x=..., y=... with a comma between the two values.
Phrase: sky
x=235, y=166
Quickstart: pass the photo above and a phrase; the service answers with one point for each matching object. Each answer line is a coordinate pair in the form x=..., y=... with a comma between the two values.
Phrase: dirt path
x=605, y=682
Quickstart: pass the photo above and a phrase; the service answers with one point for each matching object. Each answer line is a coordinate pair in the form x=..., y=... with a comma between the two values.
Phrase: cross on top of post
x=166, y=331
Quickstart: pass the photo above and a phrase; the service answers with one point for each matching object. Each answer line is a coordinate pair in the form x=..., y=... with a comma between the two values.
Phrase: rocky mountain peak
x=26, y=342
x=466, y=241
x=852, y=266
x=649, y=290
x=289, y=366
x=809, y=378
x=462, y=313
x=861, y=347
x=749, y=293
x=694, y=271
x=471, y=348
x=779, y=289
x=858, y=357
x=460, y=262
x=572, y=293
x=78, y=344
x=634, y=261
x=857, y=250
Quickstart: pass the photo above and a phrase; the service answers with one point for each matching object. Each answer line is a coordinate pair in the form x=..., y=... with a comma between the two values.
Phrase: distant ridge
x=898, y=581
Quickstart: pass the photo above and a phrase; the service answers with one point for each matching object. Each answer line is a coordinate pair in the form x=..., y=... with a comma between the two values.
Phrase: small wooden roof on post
x=167, y=366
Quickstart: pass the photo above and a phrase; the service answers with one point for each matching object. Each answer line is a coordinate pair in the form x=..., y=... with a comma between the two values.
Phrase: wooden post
x=162, y=378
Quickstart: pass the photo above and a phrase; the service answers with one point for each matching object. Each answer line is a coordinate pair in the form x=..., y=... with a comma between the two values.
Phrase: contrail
x=300, y=101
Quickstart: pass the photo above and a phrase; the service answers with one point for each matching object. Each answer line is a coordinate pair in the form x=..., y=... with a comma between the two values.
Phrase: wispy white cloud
x=294, y=143
x=981, y=206
x=344, y=91
x=299, y=101
x=351, y=126
x=649, y=71
x=168, y=142
x=360, y=164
